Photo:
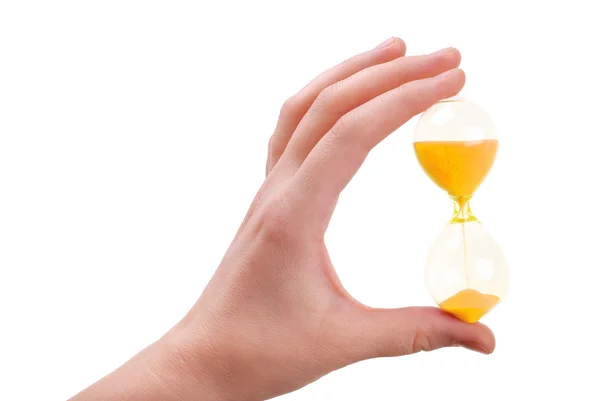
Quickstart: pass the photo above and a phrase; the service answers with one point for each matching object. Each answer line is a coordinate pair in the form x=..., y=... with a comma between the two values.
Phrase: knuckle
x=428, y=339
x=271, y=142
x=275, y=220
x=291, y=107
x=421, y=342
x=351, y=128
x=274, y=146
x=412, y=100
x=343, y=126
x=328, y=97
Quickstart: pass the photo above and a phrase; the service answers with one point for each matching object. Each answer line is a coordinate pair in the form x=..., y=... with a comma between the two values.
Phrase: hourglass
x=466, y=272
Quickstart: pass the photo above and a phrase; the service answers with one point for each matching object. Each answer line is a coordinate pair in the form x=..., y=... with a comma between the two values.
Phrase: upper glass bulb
x=456, y=144
x=455, y=119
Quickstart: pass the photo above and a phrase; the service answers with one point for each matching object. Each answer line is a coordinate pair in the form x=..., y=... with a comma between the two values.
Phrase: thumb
x=395, y=332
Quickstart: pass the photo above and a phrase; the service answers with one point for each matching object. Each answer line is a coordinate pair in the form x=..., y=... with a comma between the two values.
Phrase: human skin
x=275, y=316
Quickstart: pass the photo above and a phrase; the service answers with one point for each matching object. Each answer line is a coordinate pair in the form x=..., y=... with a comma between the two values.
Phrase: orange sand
x=458, y=167
x=469, y=305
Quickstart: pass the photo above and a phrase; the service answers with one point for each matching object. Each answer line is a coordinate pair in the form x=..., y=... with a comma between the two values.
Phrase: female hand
x=275, y=316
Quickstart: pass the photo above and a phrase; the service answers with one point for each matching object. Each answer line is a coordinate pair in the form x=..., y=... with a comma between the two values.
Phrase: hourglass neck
x=462, y=210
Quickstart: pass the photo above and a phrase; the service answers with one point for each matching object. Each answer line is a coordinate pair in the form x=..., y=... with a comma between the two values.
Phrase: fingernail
x=386, y=43
x=448, y=73
x=441, y=51
x=473, y=346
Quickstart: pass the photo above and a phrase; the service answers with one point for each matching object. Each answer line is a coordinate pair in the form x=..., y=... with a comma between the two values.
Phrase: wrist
x=186, y=370
x=167, y=370
x=143, y=377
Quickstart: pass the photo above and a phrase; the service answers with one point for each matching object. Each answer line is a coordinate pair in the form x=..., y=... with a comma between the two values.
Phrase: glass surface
x=466, y=272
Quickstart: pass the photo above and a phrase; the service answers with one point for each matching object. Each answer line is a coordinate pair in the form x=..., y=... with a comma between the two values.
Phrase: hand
x=275, y=316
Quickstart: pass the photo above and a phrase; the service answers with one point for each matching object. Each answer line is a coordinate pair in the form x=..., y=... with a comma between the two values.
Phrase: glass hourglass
x=466, y=272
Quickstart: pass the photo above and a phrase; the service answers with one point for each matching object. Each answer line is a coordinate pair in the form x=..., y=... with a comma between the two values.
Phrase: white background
x=133, y=137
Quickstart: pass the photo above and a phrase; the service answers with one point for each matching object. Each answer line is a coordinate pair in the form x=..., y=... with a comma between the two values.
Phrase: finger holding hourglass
x=466, y=272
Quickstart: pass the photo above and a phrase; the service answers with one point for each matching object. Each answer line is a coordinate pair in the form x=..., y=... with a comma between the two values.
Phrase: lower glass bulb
x=466, y=271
